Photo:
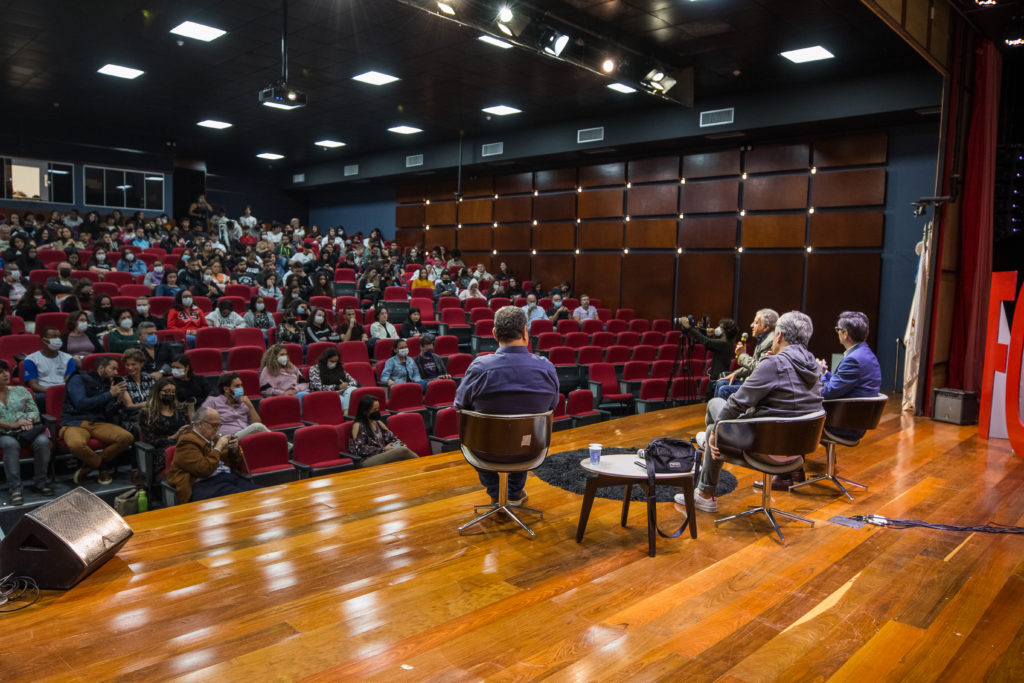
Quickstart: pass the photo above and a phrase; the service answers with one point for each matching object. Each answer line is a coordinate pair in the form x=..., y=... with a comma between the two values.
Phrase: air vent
x=351, y=169
x=492, y=149
x=717, y=117
x=298, y=177
x=413, y=160
x=584, y=135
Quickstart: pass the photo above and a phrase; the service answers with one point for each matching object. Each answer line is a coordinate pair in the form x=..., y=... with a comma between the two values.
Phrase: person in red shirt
x=185, y=315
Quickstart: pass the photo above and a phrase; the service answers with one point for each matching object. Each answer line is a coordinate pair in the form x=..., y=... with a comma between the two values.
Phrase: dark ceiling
x=50, y=51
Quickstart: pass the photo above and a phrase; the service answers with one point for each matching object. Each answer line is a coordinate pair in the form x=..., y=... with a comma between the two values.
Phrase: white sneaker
x=705, y=504
x=702, y=440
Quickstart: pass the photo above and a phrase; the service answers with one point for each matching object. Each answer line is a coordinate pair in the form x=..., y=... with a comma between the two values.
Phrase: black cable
x=14, y=588
x=989, y=528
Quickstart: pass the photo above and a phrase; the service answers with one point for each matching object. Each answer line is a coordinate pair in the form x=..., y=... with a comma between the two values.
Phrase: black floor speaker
x=62, y=542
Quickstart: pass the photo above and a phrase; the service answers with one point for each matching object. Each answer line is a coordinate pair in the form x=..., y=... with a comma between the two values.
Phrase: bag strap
x=653, y=493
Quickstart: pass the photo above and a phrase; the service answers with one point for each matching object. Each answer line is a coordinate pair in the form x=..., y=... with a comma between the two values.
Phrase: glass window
x=134, y=190
x=93, y=186
x=113, y=188
x=155, y=192
x=41, y=181
x=124, y=189
x=62, y=189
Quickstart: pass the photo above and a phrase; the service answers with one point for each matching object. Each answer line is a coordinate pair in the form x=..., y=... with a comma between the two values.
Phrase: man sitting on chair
x=786, y=383
x=511, y=381
x=858, y=374
x=205, y=461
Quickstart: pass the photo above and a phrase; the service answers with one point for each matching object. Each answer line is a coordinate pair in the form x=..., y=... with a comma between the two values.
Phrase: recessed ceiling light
x=120, y=71
x=211, y=123
x=405, y=130
x=375, y=78
x=270, y=155
x=278, y=105
x=621, y=87
x=331, y=144
x=807, y=54
x=502, y=110
x=191, y=29
x=496, y=42
x=608, y=65
x=446, y=8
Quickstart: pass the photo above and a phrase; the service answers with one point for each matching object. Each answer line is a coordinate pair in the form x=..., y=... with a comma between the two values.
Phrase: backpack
x=669, y=456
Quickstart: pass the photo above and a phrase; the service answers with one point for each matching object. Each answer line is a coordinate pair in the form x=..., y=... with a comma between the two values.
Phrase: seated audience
x=382, y=329
x=162, y=420
x=91, y=408
x=48, y=367
x=157, y=355
x=257, y=315
x=155, y=277
x=445, y=287
x=102, y=318
x=128, y=263
x=349, y=328
x=269, y=287
x=532, y=310
x=327, y=374
x=279, y=376
x=34, y=301
x=763, y=329
x=191, y=390
x=472, y=291
x=80, y=340
x=371, y=442
x=224, y=316
x=60, y=286
x=431, y=366
x=557, y=311
x=138, y=384
x=186, y=316
x=413, y=327
x=400, y=368
x=122, y=336
x=99, y=263
x=318, y=329
x=237, y=413
x=291, y=330
x=585, y=311
x=206, y=463
x=12, y=286
x=169, y=286
x=21, y=427
x=142, y=314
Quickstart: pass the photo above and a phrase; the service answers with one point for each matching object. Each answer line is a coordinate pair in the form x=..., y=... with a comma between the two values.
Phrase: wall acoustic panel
x=600, y=276
x=603, y=174
x=476, y=211
x=441, y=213
x=726, y=162
x=848, y=228
x=707, y=232
x=441, y=190
x=599, y=235
x=555, y=236
x=711, y=196
x=559, y=179
x=514, y=183
x=769, y=280
x=436, y=236
x=652, y=170
x=513, y=209
x=775, y=192
x=407, y=194
x=409, y=237
x=862, y=187
x=705, y=285
x=512, y=237
x=481, y=186
x=837, y=283
x=774, y=230
x=409, y=215
x=768, y=158
x=552, y=269
x=851, y=150
x=555, y=207
x=600, y=203
x=475, y=238
x=651, y=233
x=519, y=264
x=653, y=200
x=647, y=284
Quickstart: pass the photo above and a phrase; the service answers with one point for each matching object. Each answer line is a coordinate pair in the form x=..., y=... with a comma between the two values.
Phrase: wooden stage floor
x=362, y=576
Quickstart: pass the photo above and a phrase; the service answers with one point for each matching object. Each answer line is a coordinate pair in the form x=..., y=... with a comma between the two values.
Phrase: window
x=122, y=189
x=41, y=181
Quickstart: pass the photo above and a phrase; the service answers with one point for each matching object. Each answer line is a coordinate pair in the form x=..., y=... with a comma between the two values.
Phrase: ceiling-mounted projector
x=280, y=96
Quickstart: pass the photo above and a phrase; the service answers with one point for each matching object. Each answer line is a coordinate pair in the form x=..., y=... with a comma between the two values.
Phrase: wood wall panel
x=848, y=228
x=514, y=183
x=851, y=150
x=436, y=236
x=770, y=280
x=412, y=192
x=558, y=179
x=476, y=211
x=513, y=209
x=694, y=293
x=774, y=230
x=647, y=284
x=603, y=174
x=552, y=268
x=481, y=186
x=726, y=162
x=512, y=237
x=409, y=237
x=409, y=215
x=440, y=190
x=775, y=193
x=441, y=213
x=653, y=200
x=599, y=235
x=707, y=232
x=651, y=233
x=600, y=203
x=555, y=236
x=768, y=158
x=471, y=258
x=653, y=170
x=837, y=283
x=475, y=238
x=600, y=276
x=555, y=207
x=862, y=187
x=519, y=264
x=712, y=196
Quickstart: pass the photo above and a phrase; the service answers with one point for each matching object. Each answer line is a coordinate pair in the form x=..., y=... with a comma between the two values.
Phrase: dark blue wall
x=359, y=209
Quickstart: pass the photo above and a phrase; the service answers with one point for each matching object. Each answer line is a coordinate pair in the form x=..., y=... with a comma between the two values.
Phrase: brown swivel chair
x=855, y=414
x=503, y=444
x=769, y=445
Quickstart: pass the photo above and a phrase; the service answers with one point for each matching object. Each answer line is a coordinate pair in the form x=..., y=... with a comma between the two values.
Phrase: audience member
x=191, y=390
x=257, y=315
x=80, y=340
x=91, y=404
x=48, y=367
x=318, y=329
x=34, y=300
x=157, y=355
x=102, y=318
x=585, y=311
x=291, y=330
x=122, y=336
x=224, y=316
x=206, y=462
x=532, y=310
x=142, y=314
x=557, y=311
x=445, y=286
x=382, y=329
x=721, y=345
x=371, y=442
x=431, y=366
x=22, y=427
x=237, y=413
x=138, y=385
x=327, y=374
x=279, y=376
x=763, y=329
x=349, y=327
x=130, y=264
x=12, y=287
x=400, y=368
x=472, y=291
x=169, y=286
x=413, y=327
x=185, y=316
x=162, y=421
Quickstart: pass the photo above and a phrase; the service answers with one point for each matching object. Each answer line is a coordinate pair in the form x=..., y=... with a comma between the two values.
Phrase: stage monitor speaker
x=62, y=542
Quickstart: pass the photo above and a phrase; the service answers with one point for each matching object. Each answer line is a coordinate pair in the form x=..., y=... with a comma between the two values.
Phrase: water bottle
x=143, y=501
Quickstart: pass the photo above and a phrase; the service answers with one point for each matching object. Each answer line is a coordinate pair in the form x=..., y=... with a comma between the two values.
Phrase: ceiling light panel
x=502, y=110
x=271, y=156
x=405, y=130
x=375, y=78
x=191, y=29
x=496, y=42
x=329, y=144
x=211, y=123
x=120, y=71
x=621, y=87
x=807, y=54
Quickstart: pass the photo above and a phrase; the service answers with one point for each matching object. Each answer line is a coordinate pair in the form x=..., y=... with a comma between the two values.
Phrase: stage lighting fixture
x=1014, y=36
x=446, y=7
x=512, y=24
x=505, y=15
x=553, y=42
x=608, y=65
x=658, y=81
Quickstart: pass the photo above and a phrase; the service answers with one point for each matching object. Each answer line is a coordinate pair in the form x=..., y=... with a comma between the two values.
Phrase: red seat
x=602, y=339
x=124, y=302
x=213, y=338
x=652, y=338
x=239, y=305
x=119, y=278
x=593, y=326
x=318, y=450
x=244, y=358
x=484, y=328
x=294, y=353
x=567, y=326
x=322, y=408
x=378, y=370
x=346, y=301
x=480, y=313
x=627, y=339
x=324, y=302
x=159, y=305
x=668, y=352
x=636, y=371
x=497, y=302
x=206, y=362
x=58, y=320
x=47, y=255
x=448, y=302
x=281, y=413
x=616, y=354
x=85, y=275
x=454, y=318
x=55, y=408
x=562, y=355
x=362, y=373
x=395, y=294
x=203, y=303
x=248, y=336
x=446, y=430
x=251, y=384
x=547, y=341
x=539, y=327
x=560, y=419
x=358, y=394
x=414, y=346
x=580, y=407
x=616, y=326
x=406, y=397
x=353, y=352
x=661, y=369
x=589, y=355
x=661, y=325
x=626, y=314
x=266, y=457
x=108, y=288
x=440, y=393
x=673, y=337
x=17, y=324
x=652, y=395
x=382, y=349
x=242, y=291
x=457, y=364
x=475, y=302
x=170, y=335
x=639, y=325
x=314, y=351
x=446, y=345
x=89, y=362
x=344, y=275
x=577, y=340
x=410, y=428
x=644, y=353
x=605, y=385
x=41, y=275
x=135, y=290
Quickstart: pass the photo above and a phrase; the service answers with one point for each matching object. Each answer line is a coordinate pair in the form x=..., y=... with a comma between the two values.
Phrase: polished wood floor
x=362, y=576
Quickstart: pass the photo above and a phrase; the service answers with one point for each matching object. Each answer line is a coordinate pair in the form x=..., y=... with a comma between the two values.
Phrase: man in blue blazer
x=858, y=374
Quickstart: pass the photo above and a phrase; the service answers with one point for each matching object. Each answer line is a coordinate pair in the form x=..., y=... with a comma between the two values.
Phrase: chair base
x=767, y=509
x=502, y=506
x=830, y=474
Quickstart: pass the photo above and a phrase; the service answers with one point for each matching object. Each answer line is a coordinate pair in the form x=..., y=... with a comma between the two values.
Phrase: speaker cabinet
x=62, y=542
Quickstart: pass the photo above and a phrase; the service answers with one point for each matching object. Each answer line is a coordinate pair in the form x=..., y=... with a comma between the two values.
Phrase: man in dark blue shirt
x=511, y=381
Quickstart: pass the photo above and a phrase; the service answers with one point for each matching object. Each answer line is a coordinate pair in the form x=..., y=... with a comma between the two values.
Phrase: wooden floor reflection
x=363, y=576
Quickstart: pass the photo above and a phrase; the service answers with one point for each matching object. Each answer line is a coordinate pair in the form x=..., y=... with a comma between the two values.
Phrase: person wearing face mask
x=431, y=365
x=129, y=263
x=192, y=274
x=400, y=368
x=80, y=339
x=29, y=260
x=224, y=316
x=155, y=277
x=157, y=355
x=122, y=337
x=413, y=327
x=279, y=376
x=162, y=421
x=186, y=316
x=327, y=374
x=557, y=311
x=192, y=390
x=142, y=314
x=80, y=298
x=721, y=346
x=445, y=287
x=371, y=442
x=531, y=309
x=34, y=301
x=11, y=286
x=139, y=384
x=91, y=403
x=237, y=413
x=48, y=367
x=319, y=329
x=290, y=331
x=257, y=316
x=61, y=285
x=100, y=263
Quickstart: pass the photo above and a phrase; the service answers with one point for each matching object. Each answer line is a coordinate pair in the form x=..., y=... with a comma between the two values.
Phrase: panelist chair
x=854, y=414
x=503, y=444
x=769, y=445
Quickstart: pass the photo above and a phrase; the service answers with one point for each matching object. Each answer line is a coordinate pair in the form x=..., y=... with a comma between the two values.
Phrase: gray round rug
x=563, y=470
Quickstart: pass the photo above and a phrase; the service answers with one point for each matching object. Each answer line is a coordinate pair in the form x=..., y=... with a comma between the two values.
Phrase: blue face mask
x=238, y=392
x=557, y=304
x=151, y=340
x=185, y=257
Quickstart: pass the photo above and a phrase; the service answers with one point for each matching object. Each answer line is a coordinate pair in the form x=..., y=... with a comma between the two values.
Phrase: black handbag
x=27, y=436
x=669, y=456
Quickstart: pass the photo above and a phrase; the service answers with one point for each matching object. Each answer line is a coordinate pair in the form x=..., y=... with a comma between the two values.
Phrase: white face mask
x=178, y=372
x=282, y=361
x=331, y=364
x=15, y=275
x=129, y=257
x=261, y=307
x=207, y=278
x=142, y=309
x=158, y=269
x=83, y=326
x=718, y=331
x=186, y=301
x=126, y=323
x=100, y=258
x=403, y=352
x=55, y=344
x=319, y=320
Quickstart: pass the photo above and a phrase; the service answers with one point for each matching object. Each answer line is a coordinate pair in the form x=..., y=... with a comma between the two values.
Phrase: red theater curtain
x=970, y=309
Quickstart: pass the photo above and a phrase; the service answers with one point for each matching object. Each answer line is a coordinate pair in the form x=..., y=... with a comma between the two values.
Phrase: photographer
x=721, y=346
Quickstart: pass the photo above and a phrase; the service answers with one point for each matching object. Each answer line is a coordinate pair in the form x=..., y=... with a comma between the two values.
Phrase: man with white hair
x=763, y=329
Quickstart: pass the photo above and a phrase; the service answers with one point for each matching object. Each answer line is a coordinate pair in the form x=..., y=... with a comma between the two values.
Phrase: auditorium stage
x=363, y=576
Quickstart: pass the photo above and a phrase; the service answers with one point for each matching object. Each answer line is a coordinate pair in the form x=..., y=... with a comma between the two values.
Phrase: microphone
x=744, y=338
